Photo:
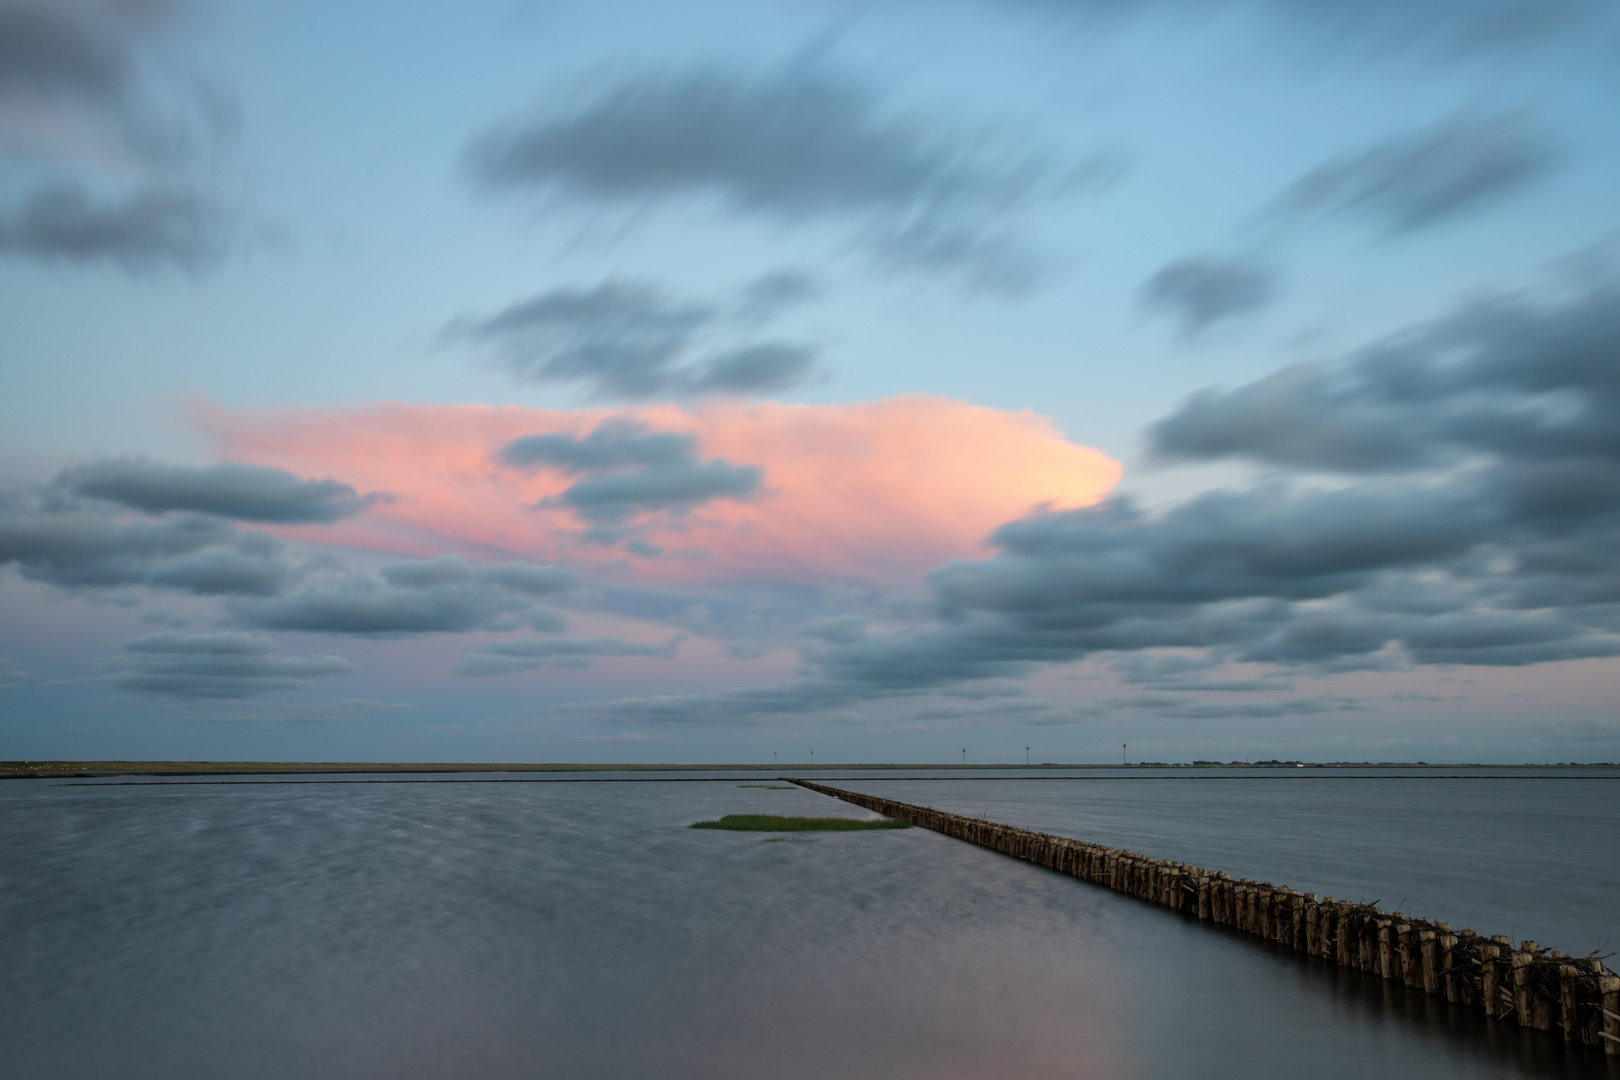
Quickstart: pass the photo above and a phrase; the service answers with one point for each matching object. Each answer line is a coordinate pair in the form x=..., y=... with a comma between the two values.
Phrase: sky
x=880, y=380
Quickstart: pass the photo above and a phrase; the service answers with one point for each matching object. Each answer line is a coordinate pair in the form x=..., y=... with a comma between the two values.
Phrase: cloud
x=772, y=293
x=220, y=665
x=866, y=493
x=188, y=553
x=149, y=228
x=443, y=595
x=1419, y=179
x=532, y=654
x=105, y=167
x=1486, y=533
x=1200, y=292
x=1528, y=383
x=1178, y=707
x=243, y=492
x=613, y=444
x=796, y=145
x=630, y=341
x=71, y=49
x=1469, y=27
x=629, y=471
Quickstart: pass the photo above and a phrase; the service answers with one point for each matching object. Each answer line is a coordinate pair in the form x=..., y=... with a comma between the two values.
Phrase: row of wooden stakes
x=1528, y=985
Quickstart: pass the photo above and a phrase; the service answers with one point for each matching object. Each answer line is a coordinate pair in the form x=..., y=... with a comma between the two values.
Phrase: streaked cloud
x=443, y=595
x=242, y=492
x=1421, y=178
x=630, y=341
x=798, y=144
x=100, y=169
x=1200, y=292
x=187, y=553
x=217, y=666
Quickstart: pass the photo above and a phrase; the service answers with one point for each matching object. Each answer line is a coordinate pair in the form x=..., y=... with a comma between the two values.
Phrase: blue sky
x=285, y=289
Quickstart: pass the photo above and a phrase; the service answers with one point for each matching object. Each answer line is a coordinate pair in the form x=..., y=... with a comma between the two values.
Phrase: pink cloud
x=873, y=492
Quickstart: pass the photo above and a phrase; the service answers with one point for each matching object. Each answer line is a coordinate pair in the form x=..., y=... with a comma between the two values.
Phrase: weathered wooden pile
x=1524, y=985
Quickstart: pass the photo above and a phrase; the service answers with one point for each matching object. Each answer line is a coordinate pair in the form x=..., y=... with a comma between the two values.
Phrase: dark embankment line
x=1528, y=986
x=475, y=780
x=185, y=780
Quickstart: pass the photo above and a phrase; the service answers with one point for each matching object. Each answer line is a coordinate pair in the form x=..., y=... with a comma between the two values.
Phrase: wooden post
x=1519, y=986
x=1386, y=954
x=1203, y=898
x=1569, y=1010
x=1400, y=941
x=1609, y=991
x=1341, y=935
x=1447, y=946
x=1296, y=922
x=1429, y=950
x=1488, y=978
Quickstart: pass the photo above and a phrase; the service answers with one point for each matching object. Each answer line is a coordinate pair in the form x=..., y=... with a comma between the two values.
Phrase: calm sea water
x=426, y=930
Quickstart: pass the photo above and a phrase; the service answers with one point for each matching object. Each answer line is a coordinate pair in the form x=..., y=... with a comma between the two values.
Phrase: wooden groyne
x=1524, y=985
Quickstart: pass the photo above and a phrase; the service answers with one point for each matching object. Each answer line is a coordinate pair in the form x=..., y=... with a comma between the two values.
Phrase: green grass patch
x=774, y=823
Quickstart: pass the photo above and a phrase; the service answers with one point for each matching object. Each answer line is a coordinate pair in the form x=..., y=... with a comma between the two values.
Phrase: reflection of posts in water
x=1530, y=987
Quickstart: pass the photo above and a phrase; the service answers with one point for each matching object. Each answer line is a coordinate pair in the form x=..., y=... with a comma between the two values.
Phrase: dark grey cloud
x=1444, y=27
x=1532, y=385
x=76, y=48
x=1496, y=541
x=50, y=48
x=243, y=492
x=143, y=205
x=190, y=553
x=443, y=595
x=217, y=666
x=1199, y=292
x=615, y=497
x=611, y=445
x=794, y=145
x=532, y=654
x=1414, y=180
x=150, y=228
x=627, y=470
x=631, y=341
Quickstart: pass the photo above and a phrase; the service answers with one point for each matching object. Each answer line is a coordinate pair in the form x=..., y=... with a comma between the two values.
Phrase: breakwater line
x=1523, y=985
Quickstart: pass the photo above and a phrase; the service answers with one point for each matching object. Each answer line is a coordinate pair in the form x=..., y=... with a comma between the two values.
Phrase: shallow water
x=580, y=930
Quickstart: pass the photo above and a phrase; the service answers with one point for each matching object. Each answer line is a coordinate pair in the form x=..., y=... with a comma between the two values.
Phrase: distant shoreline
x=32, y=770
